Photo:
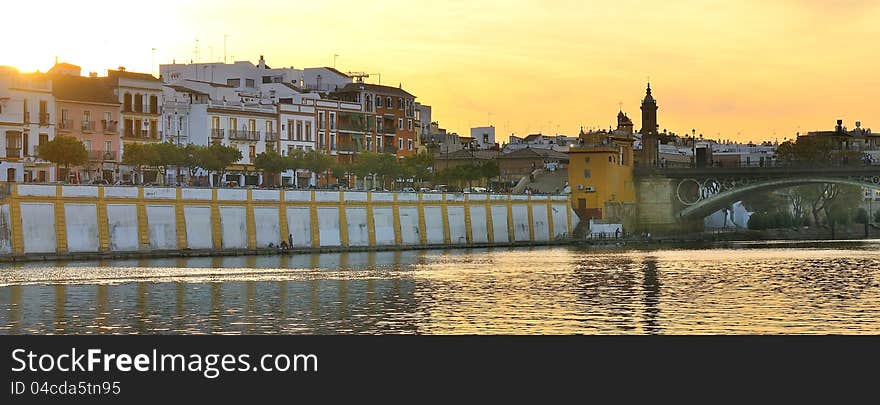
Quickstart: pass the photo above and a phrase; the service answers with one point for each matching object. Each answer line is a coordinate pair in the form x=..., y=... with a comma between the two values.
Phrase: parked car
x=408, y=190
x=424, y=190
x=100, y=182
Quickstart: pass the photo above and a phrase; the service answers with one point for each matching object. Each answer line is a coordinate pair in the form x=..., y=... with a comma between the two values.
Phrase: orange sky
x=748, y=67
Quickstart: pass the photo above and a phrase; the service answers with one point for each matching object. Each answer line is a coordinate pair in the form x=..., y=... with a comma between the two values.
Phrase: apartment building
x=140, y=95
x=297, y=117
x=394, y=110
x=27, y=120
x=87, y=109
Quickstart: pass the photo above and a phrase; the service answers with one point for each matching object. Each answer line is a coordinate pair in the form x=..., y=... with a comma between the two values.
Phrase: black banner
x=223, y=369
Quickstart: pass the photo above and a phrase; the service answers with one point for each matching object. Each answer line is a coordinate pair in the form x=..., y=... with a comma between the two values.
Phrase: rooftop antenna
x=224, y=47
x=334, y=60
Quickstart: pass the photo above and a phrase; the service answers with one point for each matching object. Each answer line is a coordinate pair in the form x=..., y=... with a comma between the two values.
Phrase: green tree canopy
x=217, y=157
x=64, y=151
x=271, y=163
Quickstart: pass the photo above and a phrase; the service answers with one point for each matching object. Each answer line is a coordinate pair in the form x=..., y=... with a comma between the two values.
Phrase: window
x=610, y=159
x=252, y=151
x=252, y=125
x=299, y=130
x=399, y=103
x=332, y=141
x=154, y=105
x=215, y=122
x=107, y=117
x=308, y=130
x=321, y=121
x=387, y=102
x=249, y=83
x=88, y=144
x=44, y=139
x=586, y=173
x=233, y=82
x=25, y=145
x=400, y=144
x=587, y=159
x=126, y=103
x=139, y=103
x=409, y=125
x=378, y=144
x=232, y=124
x=400, y=124
x=108, y=146
x=369, y=144
x=409, y=144
x=378, y=125
x=332, y=121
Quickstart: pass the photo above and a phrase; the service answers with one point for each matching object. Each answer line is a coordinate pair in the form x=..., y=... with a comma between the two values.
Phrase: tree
x=293, y=161
x=138, y=155
x=164, y=154
x=366, y=164
x=388, y=166
x=217, y=157
x=317, y=163
x=841, y=206
x=190, y=156
x=271, y=163
x=339, y=170
x=418, y=167
x=490, y=169
x=64, y=150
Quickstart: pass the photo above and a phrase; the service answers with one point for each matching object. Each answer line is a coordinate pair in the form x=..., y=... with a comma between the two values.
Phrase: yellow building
x=600, y=173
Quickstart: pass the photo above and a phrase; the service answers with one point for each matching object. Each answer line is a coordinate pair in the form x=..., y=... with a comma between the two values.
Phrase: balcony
x=13, y=152
x=217, y=133
x=271, y=136
x=109, y=126
x=348, y=146
x=102, y=155
x=240, y=135
x=88, y=126
x=143, y=134
x=65, y=125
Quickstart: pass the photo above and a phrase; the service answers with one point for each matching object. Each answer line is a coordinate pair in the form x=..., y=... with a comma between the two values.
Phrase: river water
x=741, y=288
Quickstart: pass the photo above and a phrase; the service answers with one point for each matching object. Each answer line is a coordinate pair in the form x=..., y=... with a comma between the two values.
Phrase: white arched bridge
x=698, y=192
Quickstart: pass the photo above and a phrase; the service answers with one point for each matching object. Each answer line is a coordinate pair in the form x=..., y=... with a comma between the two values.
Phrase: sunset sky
x=743, y=69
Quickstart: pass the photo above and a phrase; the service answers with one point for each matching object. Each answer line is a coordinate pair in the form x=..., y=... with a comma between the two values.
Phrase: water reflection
x=744, y=289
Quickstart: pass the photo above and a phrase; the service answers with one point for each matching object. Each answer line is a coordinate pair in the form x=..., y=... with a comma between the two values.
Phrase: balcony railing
x=109, y=126
x=240, y=135
x=102, y=155
x=88, y=126
x=348, y=146
x=142, y=134
x=271, y=136
x=217, y=133
x=65, y=125
x=13, y=152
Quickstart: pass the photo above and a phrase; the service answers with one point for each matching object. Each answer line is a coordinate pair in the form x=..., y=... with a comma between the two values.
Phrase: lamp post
x=694, y=147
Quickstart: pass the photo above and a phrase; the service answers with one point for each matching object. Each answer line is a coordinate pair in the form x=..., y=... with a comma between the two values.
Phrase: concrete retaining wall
x=90, y=219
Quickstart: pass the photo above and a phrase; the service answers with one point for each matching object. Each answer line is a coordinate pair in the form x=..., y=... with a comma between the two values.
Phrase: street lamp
x=694, y=147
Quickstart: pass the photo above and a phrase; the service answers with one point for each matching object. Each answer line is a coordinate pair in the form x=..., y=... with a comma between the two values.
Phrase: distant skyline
x=731, y=70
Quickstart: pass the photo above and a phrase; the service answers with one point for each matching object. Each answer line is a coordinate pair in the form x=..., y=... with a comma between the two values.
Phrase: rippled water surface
x=817, y=287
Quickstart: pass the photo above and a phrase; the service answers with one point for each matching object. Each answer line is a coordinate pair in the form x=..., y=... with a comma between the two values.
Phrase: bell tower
x=650, y=141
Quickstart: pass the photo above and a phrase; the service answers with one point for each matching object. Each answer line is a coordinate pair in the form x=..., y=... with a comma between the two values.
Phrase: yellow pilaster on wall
x=282, y=217
x=250, y=223
x=15, y=218
x=60, y=222
x=444, y=210
x=216, y=226
x=371, y=222
x=511, y=237
x=103, y=225
x=468, y=232
x=550, y=223
x=531, y=220
x=180, y=220
x=395, y=212
x=490, y=226
x=143, y=224
x=313, y=220
x=423, y=228
x=343, y=221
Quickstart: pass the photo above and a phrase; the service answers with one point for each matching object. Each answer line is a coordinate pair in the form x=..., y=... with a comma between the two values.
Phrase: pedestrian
x=290, y=240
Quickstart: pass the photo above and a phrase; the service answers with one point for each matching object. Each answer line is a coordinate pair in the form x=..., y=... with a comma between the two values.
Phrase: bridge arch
x=707, y=206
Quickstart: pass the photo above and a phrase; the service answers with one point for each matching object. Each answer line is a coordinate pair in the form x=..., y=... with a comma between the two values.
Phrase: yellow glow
x=751, y=67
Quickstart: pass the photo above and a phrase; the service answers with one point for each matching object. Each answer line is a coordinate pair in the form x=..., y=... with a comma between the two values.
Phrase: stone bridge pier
x=657, y=207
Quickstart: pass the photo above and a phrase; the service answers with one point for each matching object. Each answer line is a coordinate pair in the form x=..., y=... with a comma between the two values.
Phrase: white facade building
x=484, y=137
x=26, y=121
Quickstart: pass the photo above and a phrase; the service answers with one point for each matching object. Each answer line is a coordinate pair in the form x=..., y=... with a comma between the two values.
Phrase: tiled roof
x=376, y=88
x=78, y=88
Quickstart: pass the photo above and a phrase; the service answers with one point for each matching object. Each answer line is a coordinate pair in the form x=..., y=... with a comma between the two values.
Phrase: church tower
x=650, y=141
